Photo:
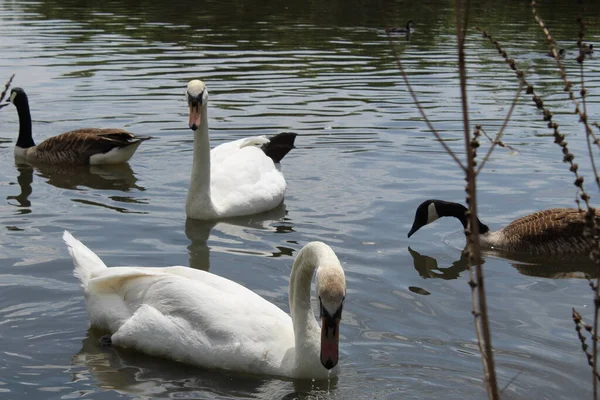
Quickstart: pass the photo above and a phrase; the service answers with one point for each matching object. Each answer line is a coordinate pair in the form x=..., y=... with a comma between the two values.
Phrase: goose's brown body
x=552, y=231
x=81, y=145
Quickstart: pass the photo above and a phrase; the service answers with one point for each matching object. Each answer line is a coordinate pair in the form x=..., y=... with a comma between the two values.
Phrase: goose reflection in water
x=229, y=231
x=118, y=177
x=554, y=267
x=126, y=371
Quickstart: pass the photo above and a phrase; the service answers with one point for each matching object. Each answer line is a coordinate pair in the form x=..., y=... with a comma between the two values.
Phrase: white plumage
x=235, y=178
x=196, y=317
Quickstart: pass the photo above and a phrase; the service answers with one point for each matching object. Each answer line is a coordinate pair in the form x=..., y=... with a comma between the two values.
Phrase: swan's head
x=331, y=292
x=426, y=213
x=197, y=97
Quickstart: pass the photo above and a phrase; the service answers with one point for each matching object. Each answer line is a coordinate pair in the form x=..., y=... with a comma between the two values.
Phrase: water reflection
x=233, y=230
x=102, y=177
x=555, y=267
x=24, y=179
x=132, y=372
x=427, y=267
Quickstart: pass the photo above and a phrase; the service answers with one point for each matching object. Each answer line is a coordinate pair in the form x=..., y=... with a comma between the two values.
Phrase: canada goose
x=195, y=317
x=81, y=146
x=561, y=53
x=236, y=178
x=553, y=231
x=587, y=49
x=399, y=29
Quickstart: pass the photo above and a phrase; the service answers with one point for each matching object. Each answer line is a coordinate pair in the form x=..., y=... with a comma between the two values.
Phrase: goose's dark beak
x=195, y=116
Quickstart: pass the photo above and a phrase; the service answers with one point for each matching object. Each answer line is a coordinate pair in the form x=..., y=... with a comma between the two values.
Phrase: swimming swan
x=199, y=318
x=553, y=231
x=79, y=147
x=236, y=178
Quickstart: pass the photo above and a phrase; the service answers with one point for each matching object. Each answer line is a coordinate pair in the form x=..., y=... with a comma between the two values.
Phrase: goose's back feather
x=191, y=316
x=87, y=146
x=552, y=231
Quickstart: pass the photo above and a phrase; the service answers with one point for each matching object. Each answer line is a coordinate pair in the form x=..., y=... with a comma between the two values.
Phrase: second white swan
x=199, y=318
x=236, y=178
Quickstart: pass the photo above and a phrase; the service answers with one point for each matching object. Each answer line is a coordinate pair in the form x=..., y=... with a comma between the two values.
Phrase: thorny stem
x=591, y=228
x=579, y=325
x=588, y=138
x=568, y=84
x=473, y=228
x=501, y=131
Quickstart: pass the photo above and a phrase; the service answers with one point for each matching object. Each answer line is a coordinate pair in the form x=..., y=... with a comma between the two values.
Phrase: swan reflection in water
x=555, y=267
x=238, y=230
x=119, y=177
x=127, y=371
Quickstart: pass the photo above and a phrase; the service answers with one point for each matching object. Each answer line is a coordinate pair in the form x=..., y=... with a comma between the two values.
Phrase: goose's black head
x=18, y=97
x=431, y=210
x=426, y=213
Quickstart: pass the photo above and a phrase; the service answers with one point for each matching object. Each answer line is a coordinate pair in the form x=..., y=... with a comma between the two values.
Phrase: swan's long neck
x=306, y=329
x=199, y=202
x=25, y=139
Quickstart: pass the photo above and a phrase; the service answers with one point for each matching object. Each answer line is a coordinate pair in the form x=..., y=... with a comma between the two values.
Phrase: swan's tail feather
x=86, y=262
x=279, y=145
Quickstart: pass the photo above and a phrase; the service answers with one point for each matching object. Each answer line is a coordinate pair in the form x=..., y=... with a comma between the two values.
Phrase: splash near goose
x=236, y=178
x=78, y=147
x=553, y=231
x=195, y=317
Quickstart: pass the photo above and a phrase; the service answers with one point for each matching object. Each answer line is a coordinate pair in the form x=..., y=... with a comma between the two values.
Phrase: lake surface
x=364, y=161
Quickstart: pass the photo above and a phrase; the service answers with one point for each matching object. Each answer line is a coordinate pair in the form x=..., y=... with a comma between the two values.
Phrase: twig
x=6, y=89
x=501, y=131
x=498, y=142
x=472, y=231
x=418, y=103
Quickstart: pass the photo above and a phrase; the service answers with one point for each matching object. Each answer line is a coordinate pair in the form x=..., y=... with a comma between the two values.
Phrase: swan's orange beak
x=330, y=340
x=195, y=116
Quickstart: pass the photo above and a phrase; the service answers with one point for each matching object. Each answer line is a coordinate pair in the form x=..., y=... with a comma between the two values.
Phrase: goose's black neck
x=456, y=210
x=25, y=139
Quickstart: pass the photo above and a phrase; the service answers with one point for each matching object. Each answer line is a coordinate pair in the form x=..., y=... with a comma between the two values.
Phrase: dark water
x=364, y=161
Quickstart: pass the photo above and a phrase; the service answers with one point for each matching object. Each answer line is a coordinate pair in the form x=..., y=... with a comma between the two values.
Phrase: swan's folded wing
x=227, y=149
x=189, y=315
x=249, y=180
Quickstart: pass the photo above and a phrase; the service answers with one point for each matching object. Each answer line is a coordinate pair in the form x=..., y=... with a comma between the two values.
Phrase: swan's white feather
x=244, y=180
x=188, y=315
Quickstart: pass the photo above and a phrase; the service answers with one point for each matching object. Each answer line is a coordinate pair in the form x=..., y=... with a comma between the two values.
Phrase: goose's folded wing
x=81, y=144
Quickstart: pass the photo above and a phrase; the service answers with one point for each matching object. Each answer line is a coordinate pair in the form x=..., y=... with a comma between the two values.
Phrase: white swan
x=236, y=178
x=199, y=318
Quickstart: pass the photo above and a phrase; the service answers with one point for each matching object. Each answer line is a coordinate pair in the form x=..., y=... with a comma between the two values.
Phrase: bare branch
x=418, y=104
x=501, y=131
x=6, y=89
x=472, y=231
